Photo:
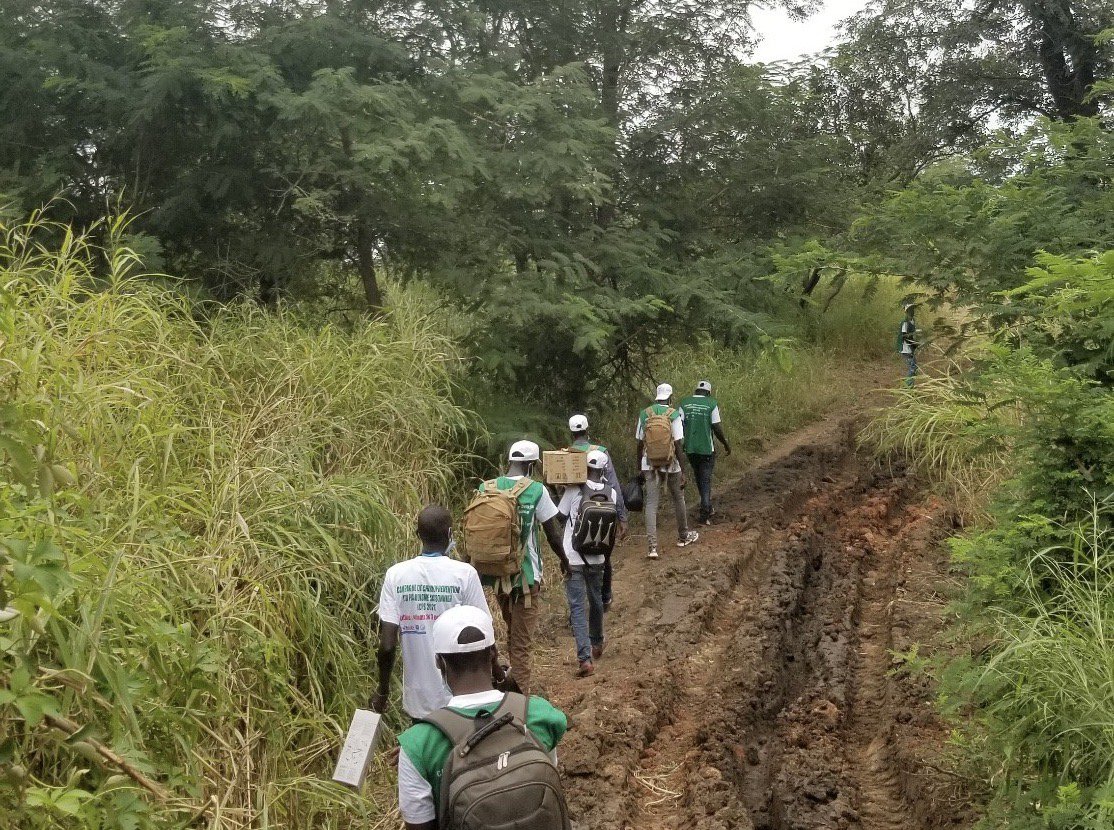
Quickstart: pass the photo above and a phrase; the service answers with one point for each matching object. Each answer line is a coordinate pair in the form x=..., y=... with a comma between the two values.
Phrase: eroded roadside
x=751, y=681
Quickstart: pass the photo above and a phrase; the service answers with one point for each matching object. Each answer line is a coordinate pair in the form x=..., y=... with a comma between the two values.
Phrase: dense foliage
x=1034, y=414
x=195, y=507
x=613, y=174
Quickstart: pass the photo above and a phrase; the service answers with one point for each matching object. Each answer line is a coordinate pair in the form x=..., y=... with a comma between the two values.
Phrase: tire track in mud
x=749, y=681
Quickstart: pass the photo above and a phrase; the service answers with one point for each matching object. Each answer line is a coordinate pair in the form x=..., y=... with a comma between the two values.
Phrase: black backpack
x=597, y=523
x=498, y=775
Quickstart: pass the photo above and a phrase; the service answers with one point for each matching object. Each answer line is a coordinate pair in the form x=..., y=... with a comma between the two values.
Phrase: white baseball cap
x=704, y=386
x=523, y=451
x=597, y=460
x=578, y=423
x=451, y=624
x=665, y=391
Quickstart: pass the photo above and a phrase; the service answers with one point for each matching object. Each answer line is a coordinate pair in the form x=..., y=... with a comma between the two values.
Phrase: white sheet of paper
x=359, y=746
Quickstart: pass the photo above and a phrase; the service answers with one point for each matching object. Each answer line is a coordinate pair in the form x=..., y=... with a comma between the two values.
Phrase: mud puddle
x=756, y=679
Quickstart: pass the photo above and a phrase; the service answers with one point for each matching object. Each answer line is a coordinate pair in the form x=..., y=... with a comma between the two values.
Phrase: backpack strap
x=453, y=725
x=518, y=705
x=520, y=487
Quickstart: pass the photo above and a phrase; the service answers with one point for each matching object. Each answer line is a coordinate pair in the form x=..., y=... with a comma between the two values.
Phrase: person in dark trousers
x=907, y=342
x=578, y=426
x=702, y=422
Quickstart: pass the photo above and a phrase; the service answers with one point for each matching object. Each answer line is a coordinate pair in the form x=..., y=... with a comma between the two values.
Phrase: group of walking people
x=433, y=606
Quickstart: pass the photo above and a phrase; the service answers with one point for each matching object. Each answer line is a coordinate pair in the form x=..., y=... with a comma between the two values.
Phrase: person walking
x=907, y=342
x=660, y=434
x=590, y=514
x=518, y=597
x=702, y=422
x=578, y=426
x=415, y=593
x=464, y=641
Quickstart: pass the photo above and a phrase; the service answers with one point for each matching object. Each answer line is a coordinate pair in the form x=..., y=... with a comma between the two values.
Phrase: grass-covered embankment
x=1023, y=441
x=196, y=505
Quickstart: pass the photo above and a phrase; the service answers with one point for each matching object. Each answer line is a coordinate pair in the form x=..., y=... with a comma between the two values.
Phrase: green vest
x=427, y=747
x=698, y=424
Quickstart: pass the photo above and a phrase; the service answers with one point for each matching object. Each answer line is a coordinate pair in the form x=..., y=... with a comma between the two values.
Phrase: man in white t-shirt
x=585, y=571
x=415, y=593
x=671, y=477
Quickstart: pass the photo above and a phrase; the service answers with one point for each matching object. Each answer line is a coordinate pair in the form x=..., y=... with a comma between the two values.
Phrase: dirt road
x=750, y=681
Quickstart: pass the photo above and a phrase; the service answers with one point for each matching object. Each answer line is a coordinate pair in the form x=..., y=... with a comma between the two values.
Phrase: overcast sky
x=785, y=39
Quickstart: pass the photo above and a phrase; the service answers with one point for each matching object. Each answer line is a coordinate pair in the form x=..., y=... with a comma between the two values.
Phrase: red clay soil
x=755, y=679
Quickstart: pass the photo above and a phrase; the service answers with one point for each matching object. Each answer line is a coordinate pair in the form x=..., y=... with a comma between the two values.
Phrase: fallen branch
x=119, y=762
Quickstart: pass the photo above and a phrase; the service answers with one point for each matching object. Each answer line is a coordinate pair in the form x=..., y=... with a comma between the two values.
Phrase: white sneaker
x=653, y=553
x=690, y=537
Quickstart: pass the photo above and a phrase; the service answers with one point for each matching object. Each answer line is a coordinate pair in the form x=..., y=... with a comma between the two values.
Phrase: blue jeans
x=702, y=466
x=911, y=362
x=584, y=591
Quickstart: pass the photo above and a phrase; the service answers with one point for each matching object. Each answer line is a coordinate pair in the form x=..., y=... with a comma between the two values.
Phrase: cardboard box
x=565, y=467
x=359, y=748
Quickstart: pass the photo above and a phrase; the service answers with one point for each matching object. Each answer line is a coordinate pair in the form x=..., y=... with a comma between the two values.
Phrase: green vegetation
x=382, y=218
x=197, y=505
x=1032, y=414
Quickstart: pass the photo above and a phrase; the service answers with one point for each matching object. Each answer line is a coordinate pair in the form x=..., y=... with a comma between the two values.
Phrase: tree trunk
x=365, y=263
x=1068, y=57
x=811, y=281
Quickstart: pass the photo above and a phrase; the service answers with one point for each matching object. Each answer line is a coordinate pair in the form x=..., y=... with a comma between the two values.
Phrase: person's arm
x=388, y=648
x=639, y=448
x=678, y=429
x=554, y=532
x=717, y=430
x=415, y=796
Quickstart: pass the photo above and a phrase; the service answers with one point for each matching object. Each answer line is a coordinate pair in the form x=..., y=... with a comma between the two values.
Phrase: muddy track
x=755, y=680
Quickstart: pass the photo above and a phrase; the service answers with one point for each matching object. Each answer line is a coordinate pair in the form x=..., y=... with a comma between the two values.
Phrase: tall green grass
x=955, y=437
x=1046, y=697
x=225, y=488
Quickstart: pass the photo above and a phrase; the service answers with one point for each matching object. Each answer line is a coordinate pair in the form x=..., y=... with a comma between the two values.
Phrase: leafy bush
x=195, y=507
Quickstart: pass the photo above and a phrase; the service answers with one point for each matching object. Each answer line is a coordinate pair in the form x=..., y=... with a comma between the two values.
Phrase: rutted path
x=751, y=681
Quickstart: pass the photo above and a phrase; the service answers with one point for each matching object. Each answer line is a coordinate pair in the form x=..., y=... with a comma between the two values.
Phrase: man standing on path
x=584, y=580
x=907, y=342
x=465, y=642
x=578, y=426
x=415, y=593
x=519, y=597
x=702, y=421
x=660, y=434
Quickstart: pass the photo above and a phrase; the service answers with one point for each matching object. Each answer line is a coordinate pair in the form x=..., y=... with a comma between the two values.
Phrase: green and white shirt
x=701, y=411
x=535, y=506
x=425, y=749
